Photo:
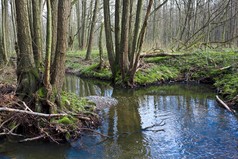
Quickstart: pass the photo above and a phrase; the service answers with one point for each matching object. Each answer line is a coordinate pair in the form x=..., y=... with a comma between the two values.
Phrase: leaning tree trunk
x=26, y=74
x=58, y=71
x=139, y=44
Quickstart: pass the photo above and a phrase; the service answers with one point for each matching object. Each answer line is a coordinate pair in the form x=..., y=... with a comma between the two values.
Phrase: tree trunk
x=84, y=5
x=90, y=40
x=58, y=70
x=54, y=11
x=13, y=12
x=48, y=50
x=5, y=32
x=136, y=32
x=117, y=29
x=78, y=24
x=140, y=42
x=100, y=47
x=27, y=76
x=37, y=32
x=109, y=41
x=124, y=39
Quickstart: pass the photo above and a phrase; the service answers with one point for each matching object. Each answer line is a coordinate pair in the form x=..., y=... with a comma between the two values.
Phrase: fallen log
x=153, y=54
x=30, y=112
x=223, y=104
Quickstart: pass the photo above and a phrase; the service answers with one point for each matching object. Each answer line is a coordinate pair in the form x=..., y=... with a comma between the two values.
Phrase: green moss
x=72, y=102
x=41, y=92
x=65, y=120
x=228, y=85
x=93, y=71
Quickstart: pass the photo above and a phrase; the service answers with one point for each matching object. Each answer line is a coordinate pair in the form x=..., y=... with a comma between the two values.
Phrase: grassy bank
x=216, y=67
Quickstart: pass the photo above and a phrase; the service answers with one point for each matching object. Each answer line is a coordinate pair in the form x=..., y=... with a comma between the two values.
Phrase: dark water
x=172, y=121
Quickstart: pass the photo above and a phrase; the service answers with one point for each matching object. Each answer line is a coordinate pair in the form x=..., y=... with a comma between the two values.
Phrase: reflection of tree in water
x=84, y=88
x=125, y=126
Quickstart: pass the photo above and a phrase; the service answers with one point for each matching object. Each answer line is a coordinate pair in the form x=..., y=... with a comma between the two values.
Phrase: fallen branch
x=154, y=54
x=27, y=108
x=223, y=104
x=10, y=133
x=32, y=139
x=31, y=113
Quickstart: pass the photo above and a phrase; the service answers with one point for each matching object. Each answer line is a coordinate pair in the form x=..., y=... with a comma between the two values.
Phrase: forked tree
x=29, y=79
x=124, y=58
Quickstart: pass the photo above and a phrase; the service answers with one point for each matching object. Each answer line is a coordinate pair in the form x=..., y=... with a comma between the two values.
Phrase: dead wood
x=224, y=104
x=31, y=112
x=33, y=138
x=155, y=54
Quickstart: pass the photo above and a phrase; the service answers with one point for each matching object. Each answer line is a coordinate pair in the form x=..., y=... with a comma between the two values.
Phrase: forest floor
x=215, y=67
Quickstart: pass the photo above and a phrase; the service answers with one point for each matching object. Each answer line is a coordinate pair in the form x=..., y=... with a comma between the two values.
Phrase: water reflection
x=195, y=126
x=86, y=87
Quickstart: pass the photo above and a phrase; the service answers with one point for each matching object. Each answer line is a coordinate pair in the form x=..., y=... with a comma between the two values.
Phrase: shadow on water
x=193, y=125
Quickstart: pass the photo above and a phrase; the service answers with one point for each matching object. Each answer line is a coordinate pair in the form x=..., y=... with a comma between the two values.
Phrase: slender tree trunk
x=84, y=5
x=13, y=12
x=100, y=47
x=37, y=32
x=54, y=10
x=48, y=50
x=124, y=38
x=140, y=43
x=90, y=40
x=136, y=31
x=109, y=41
x=58, y=70
x=78, y=24
x=117, y=30
x=5, y=31
x=88, y=23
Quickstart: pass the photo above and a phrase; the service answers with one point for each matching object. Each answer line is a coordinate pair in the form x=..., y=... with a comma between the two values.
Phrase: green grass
x=197, y=65
x=228, y=85
x=154, y=74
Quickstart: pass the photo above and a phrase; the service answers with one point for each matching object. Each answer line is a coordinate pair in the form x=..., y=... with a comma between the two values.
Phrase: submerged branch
x=223, y=104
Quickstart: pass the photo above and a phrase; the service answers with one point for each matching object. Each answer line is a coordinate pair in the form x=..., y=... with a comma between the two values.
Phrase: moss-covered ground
x=216, y=67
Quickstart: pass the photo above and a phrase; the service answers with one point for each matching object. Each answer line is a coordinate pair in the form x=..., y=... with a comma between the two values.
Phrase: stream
x=158, y=122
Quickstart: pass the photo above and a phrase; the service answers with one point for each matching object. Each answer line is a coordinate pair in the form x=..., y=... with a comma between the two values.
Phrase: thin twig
x=27, y=108
x=6, y=121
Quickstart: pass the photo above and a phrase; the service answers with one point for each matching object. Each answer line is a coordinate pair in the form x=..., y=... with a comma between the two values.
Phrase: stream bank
x=215, y=67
